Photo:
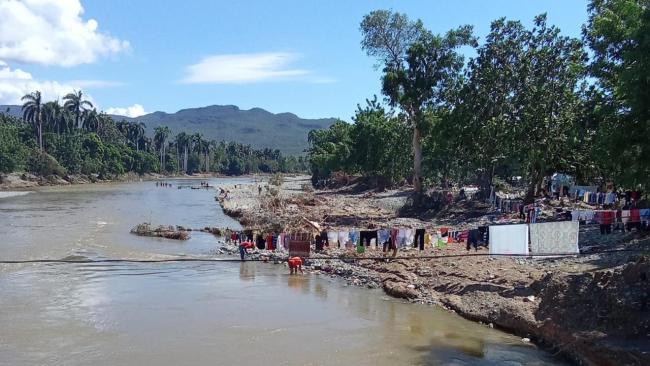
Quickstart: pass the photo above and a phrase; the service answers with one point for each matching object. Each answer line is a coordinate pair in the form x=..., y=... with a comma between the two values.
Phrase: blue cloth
x=644, y=213
x=354, y=237
x=383, y=236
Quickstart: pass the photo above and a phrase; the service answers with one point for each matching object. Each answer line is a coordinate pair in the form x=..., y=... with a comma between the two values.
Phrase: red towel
x=607, y=217
x=463, y=236
x=635, y=216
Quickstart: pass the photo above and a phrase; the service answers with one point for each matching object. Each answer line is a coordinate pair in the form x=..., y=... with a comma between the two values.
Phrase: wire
x=265, y=258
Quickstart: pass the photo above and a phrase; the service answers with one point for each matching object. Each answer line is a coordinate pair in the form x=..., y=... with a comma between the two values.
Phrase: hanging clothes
x=318, y=243
x=383, y=236
x=418, y=240
x=269, y=242
x=353, y=239
x=333, y=238
x=260, y=241
x=473, y=239
x=367, y=237
x=560, y=237
x=509, y=239
x=344, y=236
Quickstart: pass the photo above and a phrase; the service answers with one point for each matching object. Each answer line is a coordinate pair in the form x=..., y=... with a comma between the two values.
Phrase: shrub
x=44, y=164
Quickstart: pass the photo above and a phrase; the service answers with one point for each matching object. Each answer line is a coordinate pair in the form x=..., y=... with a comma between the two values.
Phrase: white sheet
x=554, y=238
x=509, y=239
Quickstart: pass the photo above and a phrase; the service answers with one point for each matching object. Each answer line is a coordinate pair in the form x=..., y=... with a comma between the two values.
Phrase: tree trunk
x=40, y=135
x=185, y=160
x=417, y=160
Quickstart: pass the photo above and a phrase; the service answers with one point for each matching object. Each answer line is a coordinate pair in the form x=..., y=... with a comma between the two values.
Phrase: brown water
x=198, y=313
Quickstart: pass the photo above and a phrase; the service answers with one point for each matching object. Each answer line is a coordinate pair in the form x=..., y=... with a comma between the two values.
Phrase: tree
x=329, y=150
x=182, y=144
x=160, y=139
x=618, y=32
x=419, y=68
x=75, y=103
x=33, y=112
x=54, y=116
x=379, y=145
x=91, y=120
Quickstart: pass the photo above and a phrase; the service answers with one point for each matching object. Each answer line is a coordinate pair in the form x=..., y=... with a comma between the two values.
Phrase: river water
x=197, y=313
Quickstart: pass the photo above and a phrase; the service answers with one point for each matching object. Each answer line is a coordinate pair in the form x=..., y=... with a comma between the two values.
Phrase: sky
x=299, y=56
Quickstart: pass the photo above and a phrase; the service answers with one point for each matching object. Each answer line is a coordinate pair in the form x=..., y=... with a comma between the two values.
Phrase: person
x=243, y=248
x=295, y=265
x=259, y=190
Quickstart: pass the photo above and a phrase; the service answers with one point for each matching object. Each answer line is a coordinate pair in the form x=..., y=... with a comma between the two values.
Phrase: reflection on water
x=199, y=313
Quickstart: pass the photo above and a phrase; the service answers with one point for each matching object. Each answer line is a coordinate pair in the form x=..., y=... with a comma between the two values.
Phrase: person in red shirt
x=295, y=265
x=243, y=248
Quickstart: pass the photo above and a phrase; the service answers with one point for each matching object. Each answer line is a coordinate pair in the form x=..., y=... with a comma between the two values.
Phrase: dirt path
x=593, y=309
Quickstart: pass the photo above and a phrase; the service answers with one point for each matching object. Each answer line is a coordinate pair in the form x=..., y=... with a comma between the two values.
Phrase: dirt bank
x=593, y=309
x=25, y=181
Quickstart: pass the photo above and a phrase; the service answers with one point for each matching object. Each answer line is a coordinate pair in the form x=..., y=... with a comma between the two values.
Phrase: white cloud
x=135, y=110
x=243, y=68
x=16, y=83
x=52, y=32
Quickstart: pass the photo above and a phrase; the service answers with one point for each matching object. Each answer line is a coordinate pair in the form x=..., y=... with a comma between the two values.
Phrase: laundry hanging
x=560, y=237
x=509, y=239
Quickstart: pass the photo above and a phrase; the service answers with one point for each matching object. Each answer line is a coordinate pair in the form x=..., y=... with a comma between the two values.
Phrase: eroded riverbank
x=592, y=309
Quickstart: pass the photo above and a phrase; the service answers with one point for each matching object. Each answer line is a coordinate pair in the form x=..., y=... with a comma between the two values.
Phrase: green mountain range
x=256, y=127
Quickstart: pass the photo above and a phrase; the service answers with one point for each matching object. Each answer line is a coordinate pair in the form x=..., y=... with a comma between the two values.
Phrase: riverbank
x=592, y=309
x=24, y=181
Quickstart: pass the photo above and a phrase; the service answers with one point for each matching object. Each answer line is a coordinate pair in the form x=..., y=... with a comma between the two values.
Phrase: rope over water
x=344, y=258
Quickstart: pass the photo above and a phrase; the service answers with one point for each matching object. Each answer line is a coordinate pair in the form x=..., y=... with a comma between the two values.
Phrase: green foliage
x=13, y=153
x=330, y=150
x=618, y=32
x=378, y=150
x=44, y=164
x=528, y=104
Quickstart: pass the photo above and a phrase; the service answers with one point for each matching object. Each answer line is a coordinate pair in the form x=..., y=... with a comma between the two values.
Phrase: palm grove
x=72, y=137
x=529, y=103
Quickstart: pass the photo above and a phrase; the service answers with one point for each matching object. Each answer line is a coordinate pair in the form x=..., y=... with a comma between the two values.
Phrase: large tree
x=161, y=133
x=419, y=68
x=33, y=113
x=618, y=32
x=75, y=103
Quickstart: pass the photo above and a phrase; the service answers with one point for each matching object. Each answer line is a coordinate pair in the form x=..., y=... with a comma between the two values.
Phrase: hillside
x=257, y=127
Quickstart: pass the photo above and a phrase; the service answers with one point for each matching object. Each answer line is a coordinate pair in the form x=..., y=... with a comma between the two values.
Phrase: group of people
x=163, y=184
x=245, y=241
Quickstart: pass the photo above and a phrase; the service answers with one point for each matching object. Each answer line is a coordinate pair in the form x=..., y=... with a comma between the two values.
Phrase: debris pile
x=167, y=232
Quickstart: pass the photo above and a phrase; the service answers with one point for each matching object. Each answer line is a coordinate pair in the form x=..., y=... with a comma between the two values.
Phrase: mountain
x=256, y=127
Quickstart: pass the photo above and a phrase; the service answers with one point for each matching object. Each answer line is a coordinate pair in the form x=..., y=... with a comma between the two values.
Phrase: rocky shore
x=25, y=181
x=593, y=309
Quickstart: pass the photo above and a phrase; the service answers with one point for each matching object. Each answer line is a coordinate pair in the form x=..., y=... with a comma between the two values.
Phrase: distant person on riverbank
x=295, y=265
x=259, y=190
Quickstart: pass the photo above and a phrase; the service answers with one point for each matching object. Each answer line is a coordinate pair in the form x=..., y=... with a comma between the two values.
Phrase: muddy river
x=189, y=313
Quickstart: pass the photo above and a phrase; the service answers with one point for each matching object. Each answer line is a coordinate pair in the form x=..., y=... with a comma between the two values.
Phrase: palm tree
x=160, y=138
x=54, y=116
x=91, y=120
x=33, y=113
x=75, y=103
x=182, y=143
x=198, y=145
x=138, y=134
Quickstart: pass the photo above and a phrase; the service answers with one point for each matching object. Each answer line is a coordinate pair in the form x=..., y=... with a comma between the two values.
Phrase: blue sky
x=285, y=56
